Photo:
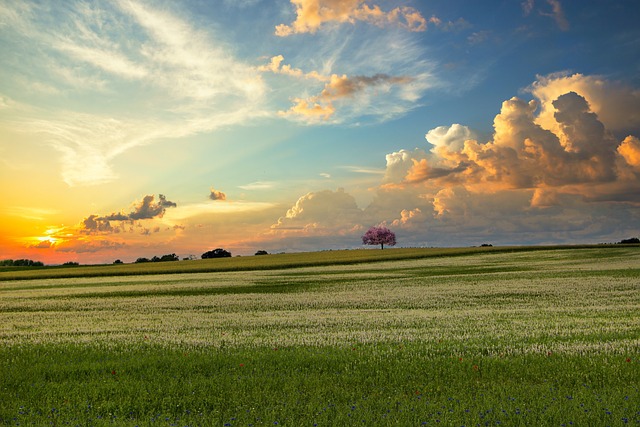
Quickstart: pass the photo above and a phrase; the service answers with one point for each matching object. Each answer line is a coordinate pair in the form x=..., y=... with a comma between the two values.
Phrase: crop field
x=395, y=337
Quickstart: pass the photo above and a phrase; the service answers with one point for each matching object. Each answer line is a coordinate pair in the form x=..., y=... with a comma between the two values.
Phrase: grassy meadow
x=396, y=337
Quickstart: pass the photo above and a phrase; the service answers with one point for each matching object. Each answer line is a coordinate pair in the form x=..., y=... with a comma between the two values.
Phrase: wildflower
x=628, y=360
x=475, y=367
x=241, y=365
x=113, y=372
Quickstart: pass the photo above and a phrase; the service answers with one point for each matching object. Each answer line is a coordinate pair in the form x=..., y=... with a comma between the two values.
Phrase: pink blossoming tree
x=379, y=235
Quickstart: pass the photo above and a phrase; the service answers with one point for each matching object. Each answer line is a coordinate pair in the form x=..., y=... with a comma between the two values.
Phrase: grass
x=264, y=262
x=546, y=337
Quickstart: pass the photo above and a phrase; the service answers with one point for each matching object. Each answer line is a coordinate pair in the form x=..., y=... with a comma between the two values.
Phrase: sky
x=141, y=128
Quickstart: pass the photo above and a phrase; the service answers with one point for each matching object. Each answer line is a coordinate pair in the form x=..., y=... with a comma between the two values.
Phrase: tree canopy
x=216, y=253
x=379, y=235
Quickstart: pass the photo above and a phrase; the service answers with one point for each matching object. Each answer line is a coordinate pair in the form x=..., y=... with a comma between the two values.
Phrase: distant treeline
x=163, y=258
x=20, y=263
x=630, y=241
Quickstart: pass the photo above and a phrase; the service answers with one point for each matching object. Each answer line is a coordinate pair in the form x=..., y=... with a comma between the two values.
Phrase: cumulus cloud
x=217, y=195
x=616, y=104
x=630, y=151
x=552, y=172
x=147, y=208
x=321, y=213
x=449, y=137
x=313, y=14
x=522, y=154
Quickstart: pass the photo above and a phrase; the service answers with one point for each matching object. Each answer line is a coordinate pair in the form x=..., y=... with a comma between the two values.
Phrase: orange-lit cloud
x=276, y=66
x=553, y=154
x=217, y=195
x=338, y=88
x=630, y=151
x=312, y=14
x=616, y=104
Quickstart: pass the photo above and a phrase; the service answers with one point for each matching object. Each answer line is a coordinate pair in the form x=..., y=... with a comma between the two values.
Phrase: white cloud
x=183, y=212
x=450, y=137
x=321, y=213
x=186, y=82
x=112, y=62
x=258, y=185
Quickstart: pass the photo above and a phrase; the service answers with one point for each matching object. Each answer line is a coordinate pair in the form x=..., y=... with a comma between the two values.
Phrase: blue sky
x=296, y=125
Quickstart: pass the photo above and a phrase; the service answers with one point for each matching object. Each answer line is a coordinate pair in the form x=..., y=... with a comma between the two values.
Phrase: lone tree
x=379, y=235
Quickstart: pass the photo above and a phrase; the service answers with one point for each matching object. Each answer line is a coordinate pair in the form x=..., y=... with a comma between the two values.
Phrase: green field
x=408, y=337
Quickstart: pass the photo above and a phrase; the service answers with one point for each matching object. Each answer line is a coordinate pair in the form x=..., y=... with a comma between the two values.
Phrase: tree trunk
x=381, y=245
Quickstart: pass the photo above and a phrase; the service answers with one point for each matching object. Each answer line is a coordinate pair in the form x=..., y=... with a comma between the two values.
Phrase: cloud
x=321, y=213
x=88, y=246
x=571, y=180
x=449, y=137
x=149, y=73
x=109, y=61
x=340, y=87
x=217, y=195
x=258, y=185
x=557, y=12
x=275, y=66
x=629, y=149
x=523, y=154
x=229, y=208
x=363, y=170
x=399, y=164
x=336, y=88
x=527, y=6
x=37, y=214
x=313, y=14
x=616, y=104
x=558, y=15
x=147, y=208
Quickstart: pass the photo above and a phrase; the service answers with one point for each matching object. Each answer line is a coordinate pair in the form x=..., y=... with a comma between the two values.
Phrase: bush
x=216, y=253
